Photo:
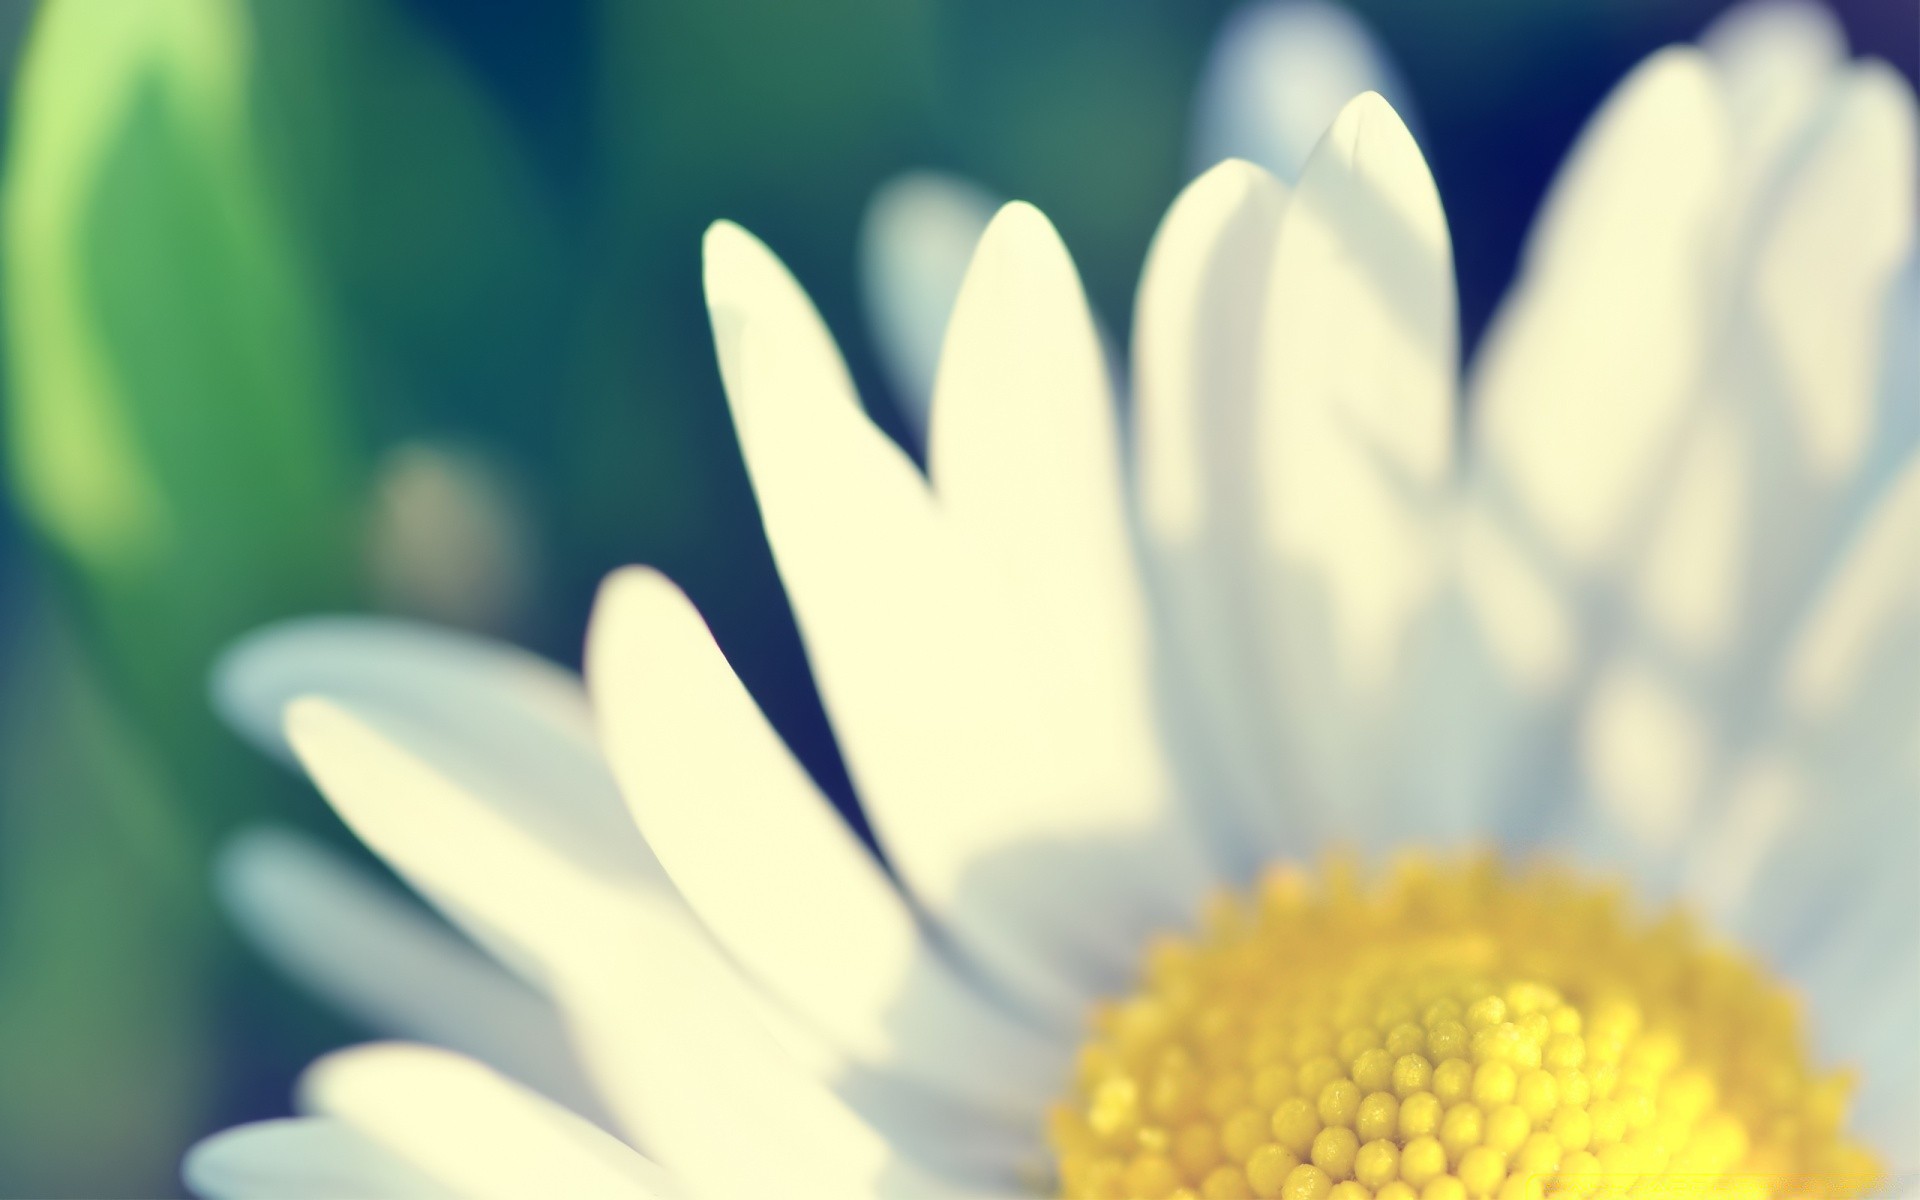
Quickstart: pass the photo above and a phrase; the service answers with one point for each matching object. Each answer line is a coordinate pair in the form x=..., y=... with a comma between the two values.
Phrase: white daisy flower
x=1654, y=605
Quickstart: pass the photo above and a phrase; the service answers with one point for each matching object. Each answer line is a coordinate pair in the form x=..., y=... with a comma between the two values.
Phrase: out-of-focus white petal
x=1600, y=344
x=1835, y=895
x=1839, y=231
x=498, y=721
x=1868, y=614
x=917, y=237
x=383, y=960
x=1355, y=445
x=774, y=872
x=1679, y=554
x=1776, y=59
x=1579, y=395
x=395, y=665
x=1198, y=326
x=472, y=1130
x=676, y=1044
x=1768, y=475
x=1772, y=467
x=997, y=784
x=307, y=1158
x=1898, y=421
x=1278, y=75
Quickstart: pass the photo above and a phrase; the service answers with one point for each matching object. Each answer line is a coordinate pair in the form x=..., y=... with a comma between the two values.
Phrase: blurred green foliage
x=176, y=441
x=106, y=1015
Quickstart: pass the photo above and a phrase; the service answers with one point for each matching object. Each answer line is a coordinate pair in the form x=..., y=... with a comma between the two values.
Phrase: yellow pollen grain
x=1451, y=1031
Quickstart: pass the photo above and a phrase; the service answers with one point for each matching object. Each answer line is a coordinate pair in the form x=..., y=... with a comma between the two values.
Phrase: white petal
x=1278, y=75
x=494, y=720
x=774, y=872
x=1841, y=229
x=1579, y=394
x=383, y=960
x=1595, y=353
x=1772, y=470
x=395, y=664
x=1766, y=478
x=1898, y=420
x=1355, y=447
x=309, y=1158
x=915, y=242
x=1198, y=326
x=1700, y=536
x=679, y=1048
x=1776, y=59
x=473, y=1131
x=968, y=735
x=1870, y=609
x=1826, y=826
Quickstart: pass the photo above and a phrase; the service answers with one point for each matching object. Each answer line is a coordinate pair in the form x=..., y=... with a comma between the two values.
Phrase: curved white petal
x=967, y=734
x=384, y=961
x=473, y=1131
x=497, y=721
x=1594, y=355
x=1355, y=445
x=916, y=239
x=774, y=872
x=1198, y=326
x=307, y=1158
x=392, y=663
x=678, y=1047
x=1278, y=75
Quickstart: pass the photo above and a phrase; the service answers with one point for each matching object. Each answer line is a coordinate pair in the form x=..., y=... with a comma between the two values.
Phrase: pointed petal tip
x=629, y=584
x=1752, y=25
x=1678, y=65
x=1234, y=172
x=630, y=600
x=254, y=679
x=309, y=722
x=318, y=1088
x=1018, y=234
x=1018, y=218
x=246, y=686
x=1369, y=116
x=729, y=256
x=724, y=236
x=924, y=186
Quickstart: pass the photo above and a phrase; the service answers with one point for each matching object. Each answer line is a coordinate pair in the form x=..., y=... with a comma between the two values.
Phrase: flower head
x=1644, y=597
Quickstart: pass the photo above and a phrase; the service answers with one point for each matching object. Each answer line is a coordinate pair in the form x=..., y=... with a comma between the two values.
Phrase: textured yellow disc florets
x=1449, y=1033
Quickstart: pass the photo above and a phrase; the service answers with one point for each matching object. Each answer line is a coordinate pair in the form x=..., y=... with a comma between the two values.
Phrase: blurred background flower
x=395, y=304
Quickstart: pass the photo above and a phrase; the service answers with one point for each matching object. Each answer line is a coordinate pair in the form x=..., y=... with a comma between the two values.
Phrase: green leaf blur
x=173, y=412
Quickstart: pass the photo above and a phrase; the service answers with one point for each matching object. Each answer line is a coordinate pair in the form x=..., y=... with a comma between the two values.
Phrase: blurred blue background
x=394, y=305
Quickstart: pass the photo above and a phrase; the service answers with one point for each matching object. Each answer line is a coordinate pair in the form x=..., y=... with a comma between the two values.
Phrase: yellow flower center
x=1452, y=1031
